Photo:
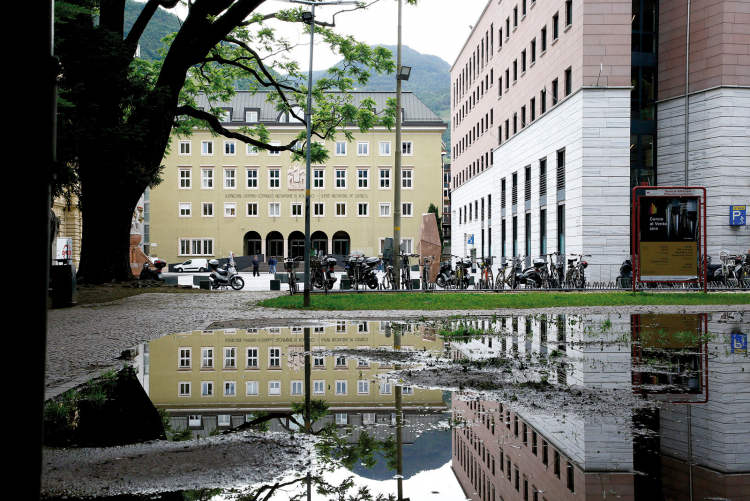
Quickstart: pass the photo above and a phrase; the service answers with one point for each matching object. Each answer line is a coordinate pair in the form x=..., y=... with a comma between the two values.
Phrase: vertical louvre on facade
x=502, y=194
x=542, y=177
x=561, y=170
x=527, y=184
x=514, y=192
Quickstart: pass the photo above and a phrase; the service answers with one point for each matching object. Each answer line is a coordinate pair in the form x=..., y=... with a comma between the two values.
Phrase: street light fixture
x=403, y=73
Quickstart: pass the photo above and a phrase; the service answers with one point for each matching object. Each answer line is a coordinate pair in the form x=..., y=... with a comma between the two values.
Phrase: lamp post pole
x=397, y=174
x=308, y=120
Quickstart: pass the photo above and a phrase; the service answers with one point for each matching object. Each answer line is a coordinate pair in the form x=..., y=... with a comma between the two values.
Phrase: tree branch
x=238, y=64
x=140, y=24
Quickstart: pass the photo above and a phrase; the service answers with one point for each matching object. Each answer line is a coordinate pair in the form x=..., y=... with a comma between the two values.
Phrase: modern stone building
x=220, y=195
x=559, y=108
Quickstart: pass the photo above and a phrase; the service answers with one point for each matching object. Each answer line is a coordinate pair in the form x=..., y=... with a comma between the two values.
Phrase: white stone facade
x=718, y=157
x=592, y=126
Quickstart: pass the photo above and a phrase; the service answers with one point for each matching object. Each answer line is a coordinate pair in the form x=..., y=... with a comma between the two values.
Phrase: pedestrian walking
x=272, y=265
x=380, y=263
x=256, y=265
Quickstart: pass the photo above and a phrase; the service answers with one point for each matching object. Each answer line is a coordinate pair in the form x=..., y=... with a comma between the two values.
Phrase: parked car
x=199, y=265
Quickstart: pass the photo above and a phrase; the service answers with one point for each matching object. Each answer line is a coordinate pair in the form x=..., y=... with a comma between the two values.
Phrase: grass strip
x=471, y=301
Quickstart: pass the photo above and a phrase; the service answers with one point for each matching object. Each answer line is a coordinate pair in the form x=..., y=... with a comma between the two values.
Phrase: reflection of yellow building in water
x=231, y=373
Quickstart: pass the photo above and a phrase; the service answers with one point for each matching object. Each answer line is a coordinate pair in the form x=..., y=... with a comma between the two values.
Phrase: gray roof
x=414, y=109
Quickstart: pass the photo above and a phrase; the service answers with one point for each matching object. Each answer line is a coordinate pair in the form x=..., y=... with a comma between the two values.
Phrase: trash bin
x=63, y=275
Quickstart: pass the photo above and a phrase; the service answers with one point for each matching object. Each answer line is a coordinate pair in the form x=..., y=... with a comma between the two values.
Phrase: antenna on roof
x=601, y=67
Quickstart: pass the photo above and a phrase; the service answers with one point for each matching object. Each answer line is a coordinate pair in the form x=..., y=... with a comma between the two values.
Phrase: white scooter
x=226, y=276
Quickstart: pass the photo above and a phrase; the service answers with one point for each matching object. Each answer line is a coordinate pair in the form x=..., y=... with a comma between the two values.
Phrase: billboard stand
x=670, y=230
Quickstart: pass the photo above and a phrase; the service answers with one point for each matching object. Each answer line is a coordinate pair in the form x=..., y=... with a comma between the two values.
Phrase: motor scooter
x=153, y=274
x=226, y=276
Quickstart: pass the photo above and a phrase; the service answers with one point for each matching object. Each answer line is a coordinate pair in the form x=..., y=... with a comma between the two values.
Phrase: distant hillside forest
x=430, y=77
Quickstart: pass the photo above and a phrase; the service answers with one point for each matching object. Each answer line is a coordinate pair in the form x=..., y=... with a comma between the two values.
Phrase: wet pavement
x=542, y=406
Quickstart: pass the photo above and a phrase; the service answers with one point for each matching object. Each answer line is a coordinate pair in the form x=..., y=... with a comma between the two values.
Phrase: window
x=230, y=179
x=406, y=148
x=385, y=388
x=296, y=210
x=252, y=150
x=555, y=26
x=544, y=39
x=568, y=81
x=207, y=389
x=533, y=51
x=341, y=387
x=274, y=358
x=340, y=209
x=568, y=12
x=319, y=387
x=532, y=108
x=363, y=387
x=296, y=387
x=230, y=148
x=385, y=209
x=251, y=116
x=406, y=209
x=230, y=357
x=363, y=178
x=363, y=149
x=252, y=179
x=185, y=209
x=340, y=148
x=252, y=209
x=274, y=387
x=406, y=178
x=252, y=358
x=385, y=148
x=230, y=209
x=523, y=61
x=515, y=17
x=341, y=418
x=274, y=179
x=225, y=115
x=184, y=388
x=515, y=70
x=207, y=358
x=252, y=388
x=363, y=209
x=274, y=153
x=340, y=179
x=184, y=148
x=554, y=91
x=230, y=388
x=184, y=358
x=185, y=179
x=319, y=209
x=196, y=247
x=207, y=179
x=207, y=147
x=385, y=179
x=561, y=229
x=319, y=178
x=274, y=209
x=543, y=101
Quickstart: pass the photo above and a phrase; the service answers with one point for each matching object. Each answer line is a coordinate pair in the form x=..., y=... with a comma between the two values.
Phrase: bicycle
x=485, y=273
x=426, y=264
x=291, y=265
x=550, y=276
x=388, y=279
x=575, y=276
x=406, y=270
x=462, y=265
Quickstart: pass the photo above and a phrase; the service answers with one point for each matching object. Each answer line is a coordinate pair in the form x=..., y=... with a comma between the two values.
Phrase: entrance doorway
x=274, y=245
x=252, y=243
x=319, y=243
x=296, y=244
x=341, y=243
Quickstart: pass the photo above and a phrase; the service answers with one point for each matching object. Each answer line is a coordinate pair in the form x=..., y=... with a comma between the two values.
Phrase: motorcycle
x=447, y=277
x=362, y=270
x=625, y=279
x=531, y=277
x=323, y=272
x=148, y=274
x=226, y=276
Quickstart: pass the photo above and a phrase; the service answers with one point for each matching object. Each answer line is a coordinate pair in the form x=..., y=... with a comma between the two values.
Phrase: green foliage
x=182, y=435
x=435, y=210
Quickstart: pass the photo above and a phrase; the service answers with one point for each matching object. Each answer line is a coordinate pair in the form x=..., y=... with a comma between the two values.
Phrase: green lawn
x=471, y=301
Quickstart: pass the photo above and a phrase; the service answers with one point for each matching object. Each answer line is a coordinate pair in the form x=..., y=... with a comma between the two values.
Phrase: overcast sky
x=437, y=27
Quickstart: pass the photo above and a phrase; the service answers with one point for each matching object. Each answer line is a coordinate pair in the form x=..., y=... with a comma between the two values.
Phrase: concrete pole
x=397, y=176
x=308, y=119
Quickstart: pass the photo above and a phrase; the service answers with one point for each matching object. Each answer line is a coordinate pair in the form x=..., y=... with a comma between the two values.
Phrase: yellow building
x=221, y=195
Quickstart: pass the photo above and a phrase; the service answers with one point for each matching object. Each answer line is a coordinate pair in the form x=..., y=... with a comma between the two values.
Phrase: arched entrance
x=252, y=243
x=319, y=242
x=341, y=243
x=296, y=244
x=274, y=245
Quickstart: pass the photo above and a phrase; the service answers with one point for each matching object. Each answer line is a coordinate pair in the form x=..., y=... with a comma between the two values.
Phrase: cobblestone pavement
x=86, y=340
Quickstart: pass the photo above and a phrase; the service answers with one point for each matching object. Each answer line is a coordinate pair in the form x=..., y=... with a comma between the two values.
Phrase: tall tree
x=117, y=112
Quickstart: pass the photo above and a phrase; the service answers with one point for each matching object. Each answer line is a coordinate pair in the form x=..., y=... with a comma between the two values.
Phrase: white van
x=199, y=265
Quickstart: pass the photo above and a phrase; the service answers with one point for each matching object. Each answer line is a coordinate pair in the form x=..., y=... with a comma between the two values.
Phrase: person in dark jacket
x=256, y=264
x=272, y=265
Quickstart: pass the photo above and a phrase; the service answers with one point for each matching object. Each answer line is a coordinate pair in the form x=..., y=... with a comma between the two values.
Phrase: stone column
x=286, y=248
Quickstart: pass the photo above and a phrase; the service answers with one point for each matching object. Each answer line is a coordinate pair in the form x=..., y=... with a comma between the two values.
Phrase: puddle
x=536, y=407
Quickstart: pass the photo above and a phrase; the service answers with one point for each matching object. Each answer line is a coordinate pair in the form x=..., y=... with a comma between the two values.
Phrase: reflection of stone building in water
x=219, y=378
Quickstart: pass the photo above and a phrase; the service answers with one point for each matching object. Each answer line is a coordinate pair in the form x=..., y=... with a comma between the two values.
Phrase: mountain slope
x=162, y=24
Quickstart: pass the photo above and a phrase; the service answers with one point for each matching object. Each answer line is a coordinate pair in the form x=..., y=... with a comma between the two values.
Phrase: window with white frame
x=185, y=209
x=251, y=116
x=385, y=179
x=319, y=178
x=363, y=387
x=252, y=179
x=363, y=148
x=194, y=420
x=319, y=209
x=207, y=148
x=252, y=358
x=340, y=209
x=274, y=209
x=207, y=358
x=225, y=115
x=407, y=178
x=363, y=209
x=274, y=387
x=385, y=388
x=252, y=209
x=186, y=179
x=207, y=389
x=341, y=387
x=406, y=209
x=340, y=148
x=230, y=179
x=184, y=358
x=340, y=360
x=207, y=209
x=385, y=209
x=274, y=179
x=363, y=179
x=406, y=148
x=274, y=153
x=340, y=179
x=196, y=247
x=296, y=210
x=342, y=418
x=183, y=388
x=340, y=325
x=408, y=245
x=230, y=388
x=230, y=148
x=296, y=387
x=207, y=179
x=319, y=361
x=184, y=148
x=230, y=209
x=251, y=150
x=224, y=420
x=230, y=357
x=368, y=418
x=251, y=388
x=385, y=148
x=319, y=387
x=274, y=357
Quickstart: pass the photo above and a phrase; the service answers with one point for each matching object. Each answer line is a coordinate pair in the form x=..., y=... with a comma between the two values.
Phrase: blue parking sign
x=737, y=215
x=739, y=343
x=470, y=239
